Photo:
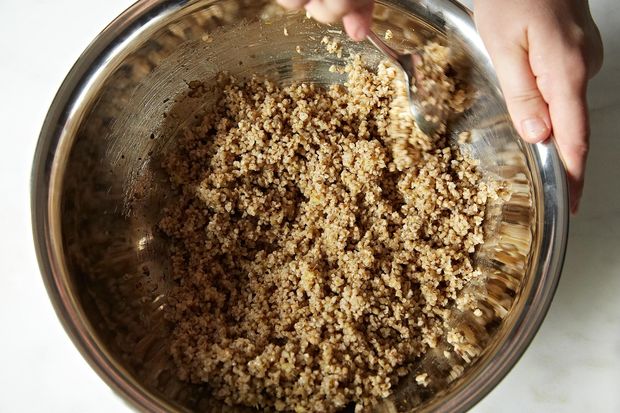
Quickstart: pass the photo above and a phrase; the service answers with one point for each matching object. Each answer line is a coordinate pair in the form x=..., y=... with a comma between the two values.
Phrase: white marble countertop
x=573, y=364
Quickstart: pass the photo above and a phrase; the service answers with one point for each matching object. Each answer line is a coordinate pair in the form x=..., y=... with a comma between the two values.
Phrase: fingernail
x=535, y=129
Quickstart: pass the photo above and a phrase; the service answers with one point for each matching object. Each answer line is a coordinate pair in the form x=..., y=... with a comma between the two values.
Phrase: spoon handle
x=380, y=44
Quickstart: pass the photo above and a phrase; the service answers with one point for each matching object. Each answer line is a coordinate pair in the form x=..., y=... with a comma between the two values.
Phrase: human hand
x=545, y=51
x=356, y=15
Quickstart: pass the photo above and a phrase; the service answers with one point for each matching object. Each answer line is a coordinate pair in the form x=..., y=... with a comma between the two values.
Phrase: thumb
x=527, y=108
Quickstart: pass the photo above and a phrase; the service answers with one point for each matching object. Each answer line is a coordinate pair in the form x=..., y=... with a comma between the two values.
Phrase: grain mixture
x=320, y=240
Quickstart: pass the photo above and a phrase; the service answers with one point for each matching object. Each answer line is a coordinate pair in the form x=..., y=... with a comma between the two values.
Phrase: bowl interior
x=112, y=190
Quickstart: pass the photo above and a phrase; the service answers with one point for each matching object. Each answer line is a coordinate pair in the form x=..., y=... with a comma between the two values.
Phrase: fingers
x=554, y=97
x=569, y=116
x=355, y=14
x=526, y=105
x=293, y=4
x=557, y=95
x=357, y=23
x=319, y=11
x=544, y=53
x=330, y=11
x=570, y=120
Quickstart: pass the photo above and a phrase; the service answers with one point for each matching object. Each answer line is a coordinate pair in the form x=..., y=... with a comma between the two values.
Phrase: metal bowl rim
x=553, y=218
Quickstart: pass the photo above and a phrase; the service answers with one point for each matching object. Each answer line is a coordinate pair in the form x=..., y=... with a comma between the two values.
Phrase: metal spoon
x=427, y=116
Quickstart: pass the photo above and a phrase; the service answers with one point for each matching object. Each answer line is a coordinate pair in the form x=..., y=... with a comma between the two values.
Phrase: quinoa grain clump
x=320, y=241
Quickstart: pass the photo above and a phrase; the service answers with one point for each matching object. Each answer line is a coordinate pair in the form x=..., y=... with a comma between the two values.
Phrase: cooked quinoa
x=320, y=241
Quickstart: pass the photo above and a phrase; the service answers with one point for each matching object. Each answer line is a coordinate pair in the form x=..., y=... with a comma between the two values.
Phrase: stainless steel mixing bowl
x=97, y=189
